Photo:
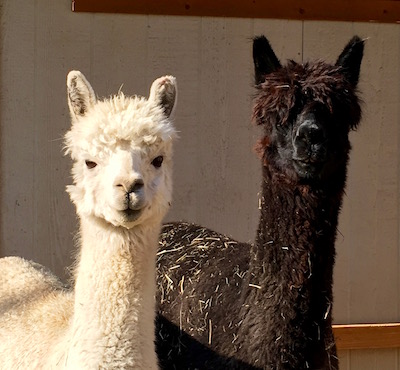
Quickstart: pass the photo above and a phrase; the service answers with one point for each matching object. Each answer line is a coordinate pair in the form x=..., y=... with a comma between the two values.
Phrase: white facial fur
x=122, y=150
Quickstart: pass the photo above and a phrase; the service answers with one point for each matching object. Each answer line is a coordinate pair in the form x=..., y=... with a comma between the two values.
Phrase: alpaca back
x=22, y=281
x=33, y=301
x=205, y=278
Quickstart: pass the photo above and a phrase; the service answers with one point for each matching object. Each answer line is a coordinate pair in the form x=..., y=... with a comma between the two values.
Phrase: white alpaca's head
x=122, y=149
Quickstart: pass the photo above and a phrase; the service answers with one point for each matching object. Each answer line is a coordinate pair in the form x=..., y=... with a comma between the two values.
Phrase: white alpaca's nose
x=130, y=186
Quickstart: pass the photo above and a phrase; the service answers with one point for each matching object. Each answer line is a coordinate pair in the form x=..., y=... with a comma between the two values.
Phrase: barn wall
x=217, y=175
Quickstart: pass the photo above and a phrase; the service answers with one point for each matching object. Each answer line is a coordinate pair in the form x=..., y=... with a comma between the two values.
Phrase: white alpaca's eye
x=157, y=162
x=90, y=164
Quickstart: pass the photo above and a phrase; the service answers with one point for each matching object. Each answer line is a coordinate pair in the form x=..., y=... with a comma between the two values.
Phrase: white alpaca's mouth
x=130, y=214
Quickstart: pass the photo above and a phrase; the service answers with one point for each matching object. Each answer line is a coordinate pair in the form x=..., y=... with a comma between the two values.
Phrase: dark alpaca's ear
x=350, y=59
x=265, y=60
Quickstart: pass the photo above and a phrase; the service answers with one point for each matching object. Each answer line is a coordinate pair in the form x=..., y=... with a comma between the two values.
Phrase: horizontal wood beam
x=331, y=10
x=367, y=336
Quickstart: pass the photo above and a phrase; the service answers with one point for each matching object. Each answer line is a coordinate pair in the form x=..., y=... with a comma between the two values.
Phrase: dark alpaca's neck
x=292, y=264
x=295, y=219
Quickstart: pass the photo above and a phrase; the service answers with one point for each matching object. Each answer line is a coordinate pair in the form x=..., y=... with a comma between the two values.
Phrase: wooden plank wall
x=217, y=176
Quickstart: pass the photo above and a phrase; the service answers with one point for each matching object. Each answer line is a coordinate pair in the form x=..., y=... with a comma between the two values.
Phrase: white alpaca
x=121, y=150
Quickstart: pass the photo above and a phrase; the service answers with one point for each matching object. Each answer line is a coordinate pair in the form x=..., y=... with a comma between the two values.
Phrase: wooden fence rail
x=367, y=336
x=338, y=10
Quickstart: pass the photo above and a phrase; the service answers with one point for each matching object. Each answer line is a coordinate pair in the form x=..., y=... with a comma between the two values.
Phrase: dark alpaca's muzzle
x=309, y=147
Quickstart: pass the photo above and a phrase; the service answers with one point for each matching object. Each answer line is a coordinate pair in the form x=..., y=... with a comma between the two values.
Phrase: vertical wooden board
x=174, y=46
x=212, y=122
x=229, y=186
x=40, y=133
x=285, y=36
x=378, y=359
x=240, y=169
x=326, y=40
x=382, y=98
x=228, y=171
x=344, y=360
x=53, y=213
x=17, y=90
x=373, y=189
x=118, y=54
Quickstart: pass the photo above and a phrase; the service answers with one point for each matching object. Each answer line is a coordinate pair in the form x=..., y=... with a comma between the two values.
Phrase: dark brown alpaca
x=229, y=305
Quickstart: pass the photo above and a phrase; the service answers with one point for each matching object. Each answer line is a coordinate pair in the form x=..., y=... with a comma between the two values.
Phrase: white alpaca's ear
x=80, y=94
x=163, y=92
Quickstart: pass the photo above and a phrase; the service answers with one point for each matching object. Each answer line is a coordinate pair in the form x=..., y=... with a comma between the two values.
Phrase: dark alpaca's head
x=307, y=111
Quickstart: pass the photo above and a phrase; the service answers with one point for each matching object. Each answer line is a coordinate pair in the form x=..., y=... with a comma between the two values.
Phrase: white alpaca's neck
x=113, y=321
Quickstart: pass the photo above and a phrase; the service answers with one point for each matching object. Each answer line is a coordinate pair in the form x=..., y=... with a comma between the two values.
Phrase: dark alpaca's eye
x=157, y=162
x=90, y=164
